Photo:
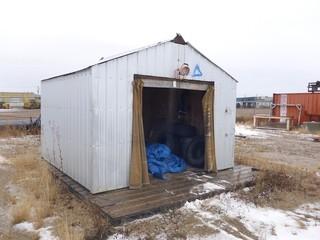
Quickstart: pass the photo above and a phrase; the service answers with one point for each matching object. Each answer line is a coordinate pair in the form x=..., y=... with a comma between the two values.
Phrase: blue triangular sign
x=196, y=71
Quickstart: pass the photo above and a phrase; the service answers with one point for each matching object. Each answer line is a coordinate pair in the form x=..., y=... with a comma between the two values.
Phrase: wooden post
x=288, y=124
x=254, y=121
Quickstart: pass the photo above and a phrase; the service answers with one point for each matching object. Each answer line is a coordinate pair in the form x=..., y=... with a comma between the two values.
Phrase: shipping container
x=301, y=107
x=87, y=115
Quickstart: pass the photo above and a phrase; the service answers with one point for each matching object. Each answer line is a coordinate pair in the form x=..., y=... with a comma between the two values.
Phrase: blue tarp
x=161, y=160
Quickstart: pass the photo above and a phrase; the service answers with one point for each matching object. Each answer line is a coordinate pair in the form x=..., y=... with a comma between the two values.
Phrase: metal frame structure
x=314, y=86
x=298, y=106
x=287, y=119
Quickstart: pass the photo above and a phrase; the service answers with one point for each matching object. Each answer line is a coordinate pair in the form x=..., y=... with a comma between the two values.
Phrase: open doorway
x=174, y=117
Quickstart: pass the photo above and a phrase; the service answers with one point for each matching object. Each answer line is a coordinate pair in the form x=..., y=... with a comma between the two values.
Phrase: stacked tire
x=183, y=140
x=194, y=151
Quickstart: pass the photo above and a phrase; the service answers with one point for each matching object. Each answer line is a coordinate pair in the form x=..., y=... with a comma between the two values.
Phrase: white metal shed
x=86, y=115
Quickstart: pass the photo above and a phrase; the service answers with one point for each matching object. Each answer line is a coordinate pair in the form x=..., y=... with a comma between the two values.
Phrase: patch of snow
x=196, y=178
x=247, y=131
x=44, y=233
x=49, y=221
x=266, y=223
x=224, y=183
x=118, y=236
x=228, y=215
x=193, y=205
x=3, y=160
x=218, y=236
x=206, y=188
x=9, y=110
x=207, y=176
x=24, y=226
x=161, y=236
x=318, y=174
x=170, y=192
x=212, y=186
x=146, y=218
x=306, y=136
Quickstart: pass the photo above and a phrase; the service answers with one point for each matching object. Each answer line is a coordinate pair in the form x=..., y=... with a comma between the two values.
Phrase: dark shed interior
x=175, y=117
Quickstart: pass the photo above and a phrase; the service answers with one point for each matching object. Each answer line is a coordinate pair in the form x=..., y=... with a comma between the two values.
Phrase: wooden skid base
x=124, y=204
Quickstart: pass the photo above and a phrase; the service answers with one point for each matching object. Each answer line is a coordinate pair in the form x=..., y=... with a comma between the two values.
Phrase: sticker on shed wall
x=196, y=71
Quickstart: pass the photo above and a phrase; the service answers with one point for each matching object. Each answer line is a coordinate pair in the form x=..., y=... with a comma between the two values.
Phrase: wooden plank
x=111, y=200
x=144, y=198
x=157, y=205
x=159, y=199
x=126, y=191
x=159, y=195
x=153, y=207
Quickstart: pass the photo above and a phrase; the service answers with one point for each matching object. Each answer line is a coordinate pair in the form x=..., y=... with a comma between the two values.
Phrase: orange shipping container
x=288, y=104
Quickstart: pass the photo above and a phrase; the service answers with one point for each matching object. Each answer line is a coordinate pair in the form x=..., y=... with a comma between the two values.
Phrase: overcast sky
x=269, y=46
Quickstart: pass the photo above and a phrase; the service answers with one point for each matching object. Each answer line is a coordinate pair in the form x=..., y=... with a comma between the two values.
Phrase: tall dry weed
x=12, y=131
x=267, y=165
x=41, y=188
x=282, y=185
x=44, y=196
x=21, y=211
x=67, y=232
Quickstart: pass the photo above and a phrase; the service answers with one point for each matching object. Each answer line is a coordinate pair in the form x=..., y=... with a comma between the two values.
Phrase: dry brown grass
x=32, y=174
x=285, y=191
x=245, y=115
x=66, y=231
x=6, y=197
x=12, y=131
x=304, y=130
x=14, y=235
x=17, y=131
x=244, y=120
x=21, y=211
x=267, y=166
x=282, y=185
x=45, y=197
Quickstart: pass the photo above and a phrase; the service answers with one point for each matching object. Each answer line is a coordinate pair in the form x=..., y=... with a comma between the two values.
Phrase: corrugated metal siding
x=113, y=80
x=224, y=106
x=65, y=125
x=310, y=106
x=108, y=87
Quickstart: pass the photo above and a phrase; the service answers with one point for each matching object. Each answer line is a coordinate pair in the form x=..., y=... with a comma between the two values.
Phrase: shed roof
x=178, y=39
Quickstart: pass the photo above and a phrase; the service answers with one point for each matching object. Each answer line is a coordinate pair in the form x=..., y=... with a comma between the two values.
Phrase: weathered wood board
x=125, y=204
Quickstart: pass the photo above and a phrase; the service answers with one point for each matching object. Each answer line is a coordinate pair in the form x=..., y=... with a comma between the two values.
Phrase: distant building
x=18, y=99
x=254, y=102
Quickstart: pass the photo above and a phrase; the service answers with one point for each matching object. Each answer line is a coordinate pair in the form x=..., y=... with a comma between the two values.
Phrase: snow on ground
x=9, y=110
x=230, y=218
x=205, y=188
x=43, y=233
x=305, y=136
x=247, y=131
x=265, y=223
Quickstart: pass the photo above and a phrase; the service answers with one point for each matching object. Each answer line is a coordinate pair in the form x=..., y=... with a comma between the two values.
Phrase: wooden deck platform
x=125, y=204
